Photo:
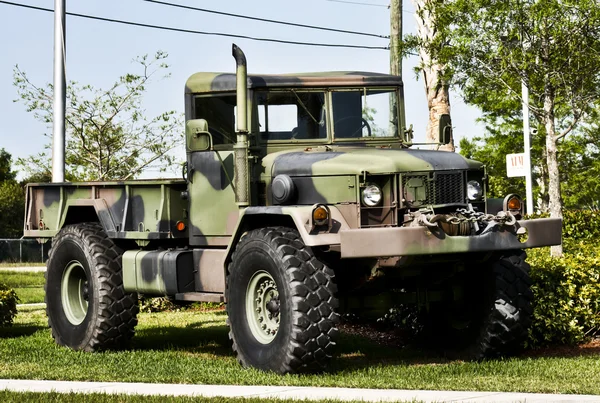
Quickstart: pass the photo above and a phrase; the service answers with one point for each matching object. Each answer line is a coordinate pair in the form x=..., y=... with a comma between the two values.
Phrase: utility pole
x=60, y=89
x=395, y=37
x=395, y=57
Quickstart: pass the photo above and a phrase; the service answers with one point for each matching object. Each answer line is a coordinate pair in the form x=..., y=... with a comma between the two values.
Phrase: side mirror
x=445, y=129
x=197, y=136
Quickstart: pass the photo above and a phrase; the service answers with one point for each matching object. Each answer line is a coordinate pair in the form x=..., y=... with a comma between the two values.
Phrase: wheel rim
x=74, y=292
x=262, y=307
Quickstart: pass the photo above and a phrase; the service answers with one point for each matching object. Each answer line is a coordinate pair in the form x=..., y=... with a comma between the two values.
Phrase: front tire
x=281, y=303
x=86, y=305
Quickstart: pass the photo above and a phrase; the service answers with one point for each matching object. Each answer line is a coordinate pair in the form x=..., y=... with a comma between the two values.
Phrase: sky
x=99, y=52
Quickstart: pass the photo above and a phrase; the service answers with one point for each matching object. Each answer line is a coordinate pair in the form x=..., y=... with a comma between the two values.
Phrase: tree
x=5, y=166
x=12, y=199
x=552, y=45
x=434, y=78
x=12, y=207
x=108, y=135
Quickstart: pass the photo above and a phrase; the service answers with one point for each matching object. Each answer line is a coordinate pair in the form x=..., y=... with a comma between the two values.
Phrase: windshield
x=291, y=114
x=365, y=113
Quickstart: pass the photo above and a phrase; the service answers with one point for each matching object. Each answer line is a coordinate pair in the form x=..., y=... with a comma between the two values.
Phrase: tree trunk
x=555, y=202
x=436, y=89
x=542, y=204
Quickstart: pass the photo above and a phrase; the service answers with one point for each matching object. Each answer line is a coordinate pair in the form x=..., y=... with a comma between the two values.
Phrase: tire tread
x=117, y=310
x=314, y=323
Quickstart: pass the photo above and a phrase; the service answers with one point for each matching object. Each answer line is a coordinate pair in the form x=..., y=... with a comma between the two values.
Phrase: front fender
x=298, y=216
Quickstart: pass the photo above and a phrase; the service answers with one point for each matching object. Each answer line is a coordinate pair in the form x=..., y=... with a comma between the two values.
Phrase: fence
x=23, y=251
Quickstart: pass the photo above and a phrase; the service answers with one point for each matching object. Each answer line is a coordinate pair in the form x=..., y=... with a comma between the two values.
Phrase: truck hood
x=356, y=160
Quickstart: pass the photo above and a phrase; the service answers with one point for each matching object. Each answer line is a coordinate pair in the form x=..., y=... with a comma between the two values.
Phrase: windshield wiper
x=306, y=109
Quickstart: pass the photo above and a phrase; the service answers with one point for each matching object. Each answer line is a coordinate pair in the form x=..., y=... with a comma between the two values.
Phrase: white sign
x=516, y=165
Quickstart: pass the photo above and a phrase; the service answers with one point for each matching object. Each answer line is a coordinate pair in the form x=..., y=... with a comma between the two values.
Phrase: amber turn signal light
x=180, y=226
x=514, y=204
x=320, y=215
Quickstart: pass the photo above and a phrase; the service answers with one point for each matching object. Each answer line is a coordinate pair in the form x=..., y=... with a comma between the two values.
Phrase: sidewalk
x=285, y=392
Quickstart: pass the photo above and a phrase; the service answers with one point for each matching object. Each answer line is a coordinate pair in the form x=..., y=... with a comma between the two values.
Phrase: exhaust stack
x=241, y=166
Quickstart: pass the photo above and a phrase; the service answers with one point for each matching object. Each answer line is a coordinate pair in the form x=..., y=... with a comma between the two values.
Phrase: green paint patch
x=193, y=347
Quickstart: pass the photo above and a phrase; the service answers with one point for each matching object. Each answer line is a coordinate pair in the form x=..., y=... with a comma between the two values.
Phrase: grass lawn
x=29, y=286
x=104, y=398
x=193, y=347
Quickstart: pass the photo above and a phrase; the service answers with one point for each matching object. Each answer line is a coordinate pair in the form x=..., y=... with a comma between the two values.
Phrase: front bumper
x=384, y=242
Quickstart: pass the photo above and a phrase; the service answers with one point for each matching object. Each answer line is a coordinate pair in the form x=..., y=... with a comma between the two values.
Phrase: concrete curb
x=285, y=392
x=35, y=305
x=24, y=268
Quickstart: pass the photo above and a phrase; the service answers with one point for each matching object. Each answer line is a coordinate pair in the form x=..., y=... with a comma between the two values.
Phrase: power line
x=205, y=10
x=359, y=3
x=189, y=31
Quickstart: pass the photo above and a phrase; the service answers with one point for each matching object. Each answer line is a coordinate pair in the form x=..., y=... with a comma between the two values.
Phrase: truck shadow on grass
x=198, y=337
x=354, y=352
x=19, y=330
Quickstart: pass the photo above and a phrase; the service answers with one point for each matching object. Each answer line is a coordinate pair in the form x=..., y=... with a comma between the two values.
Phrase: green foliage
x=160, y=304
x=12, y=200
x=12, y=208
x=5, y=166
x=579, y=158
x=108, y=135
x=8, y=305
x=551, y=45
x=581, y=225
x=567, y=289
x=566, y=295
x=166, y=304
x=578, y=225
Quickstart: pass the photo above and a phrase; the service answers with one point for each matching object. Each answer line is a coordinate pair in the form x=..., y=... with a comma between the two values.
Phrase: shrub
x=8, y=305
x=578, y=224
x=158, y=304
x=566, y=293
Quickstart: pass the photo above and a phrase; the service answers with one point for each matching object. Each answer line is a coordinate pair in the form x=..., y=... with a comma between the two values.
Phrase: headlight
x=474, y=190
x=371, y=195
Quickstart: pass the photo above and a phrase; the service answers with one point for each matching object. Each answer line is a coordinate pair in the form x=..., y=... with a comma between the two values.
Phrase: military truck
x=301, y=199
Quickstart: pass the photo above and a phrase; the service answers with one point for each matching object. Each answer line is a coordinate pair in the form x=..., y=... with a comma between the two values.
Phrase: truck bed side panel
x=134, y=209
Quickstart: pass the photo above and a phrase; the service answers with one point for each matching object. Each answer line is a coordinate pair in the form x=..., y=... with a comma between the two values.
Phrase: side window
x=286, y=115
x=219, y=112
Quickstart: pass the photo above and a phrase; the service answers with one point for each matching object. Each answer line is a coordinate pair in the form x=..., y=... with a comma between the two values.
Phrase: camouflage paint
x=131, y=209
x=326, y=171
x=344, y=160
x=211, y=195
x=377, y=242
x=200, y=83
x=158, y=272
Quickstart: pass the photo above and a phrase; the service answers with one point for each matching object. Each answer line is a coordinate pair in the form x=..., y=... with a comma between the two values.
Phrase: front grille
x=449, y=188
x=439, y=188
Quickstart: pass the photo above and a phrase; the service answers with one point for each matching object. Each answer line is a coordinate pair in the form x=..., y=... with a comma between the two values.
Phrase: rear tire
x=86, y=305
x=281, y=303
x=496, y=314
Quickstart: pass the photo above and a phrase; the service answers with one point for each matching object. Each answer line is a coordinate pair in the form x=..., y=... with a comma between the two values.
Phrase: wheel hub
x=262, y=307
x=74, y=290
